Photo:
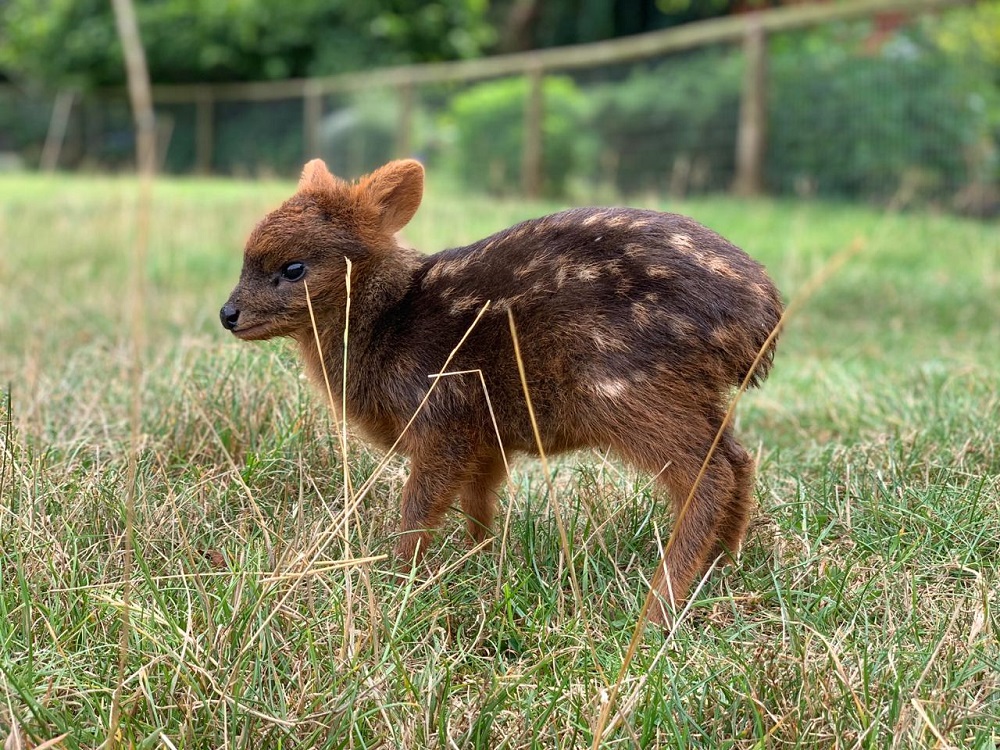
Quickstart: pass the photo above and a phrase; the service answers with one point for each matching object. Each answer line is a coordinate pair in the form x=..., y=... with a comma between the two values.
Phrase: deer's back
x=639, y=288
x=608, y=304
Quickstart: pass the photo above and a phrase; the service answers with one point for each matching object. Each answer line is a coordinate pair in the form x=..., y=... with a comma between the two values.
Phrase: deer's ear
x=316, y=178
x=393, y=192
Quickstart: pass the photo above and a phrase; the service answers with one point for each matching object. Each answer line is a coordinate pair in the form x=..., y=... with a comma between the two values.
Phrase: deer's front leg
x=436, y=474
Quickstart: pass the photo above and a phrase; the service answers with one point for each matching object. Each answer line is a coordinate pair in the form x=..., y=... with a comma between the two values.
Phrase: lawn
x=865, y=611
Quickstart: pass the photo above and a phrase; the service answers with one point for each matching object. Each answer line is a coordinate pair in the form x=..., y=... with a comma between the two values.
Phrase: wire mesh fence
x=863, y=108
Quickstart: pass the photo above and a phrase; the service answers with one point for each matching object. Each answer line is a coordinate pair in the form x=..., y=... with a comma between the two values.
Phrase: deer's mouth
x=253, y=332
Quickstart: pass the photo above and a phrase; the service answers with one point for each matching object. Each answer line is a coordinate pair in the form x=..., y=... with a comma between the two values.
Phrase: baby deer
x=633, y=327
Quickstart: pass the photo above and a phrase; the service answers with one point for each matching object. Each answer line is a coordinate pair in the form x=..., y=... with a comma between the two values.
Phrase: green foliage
x=971, y=33
x=360, y=134
x=397, y=32
x=251, y=139
x=488, y=123
x=867, y=125
x=23, y=122
x=69, y=41
x=970, y=37
x=74, y=42
x=841, y=122
x=559, y=22
x=676, y=121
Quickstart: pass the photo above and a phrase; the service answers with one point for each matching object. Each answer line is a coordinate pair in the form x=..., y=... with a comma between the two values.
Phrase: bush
x=24, y=121
x=672, y=126
x=361, y=135
x=840, y=123
x=865, y=126
x=258, y=138
x=488, y=125
x=181, y=156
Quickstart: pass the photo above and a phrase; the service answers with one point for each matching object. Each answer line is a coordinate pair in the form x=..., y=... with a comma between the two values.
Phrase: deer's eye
x=293, y=271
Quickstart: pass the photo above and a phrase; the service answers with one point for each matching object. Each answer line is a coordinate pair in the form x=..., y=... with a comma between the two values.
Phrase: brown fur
x=633, y=326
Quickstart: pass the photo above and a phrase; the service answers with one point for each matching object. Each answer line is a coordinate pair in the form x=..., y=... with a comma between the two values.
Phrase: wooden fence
x=751, y=29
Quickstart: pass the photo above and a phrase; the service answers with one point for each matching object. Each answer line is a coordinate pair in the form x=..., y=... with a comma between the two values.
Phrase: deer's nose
x=229, y=315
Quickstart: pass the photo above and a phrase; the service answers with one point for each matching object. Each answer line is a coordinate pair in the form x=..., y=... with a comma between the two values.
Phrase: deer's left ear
x=316, y=178
x=393, y=192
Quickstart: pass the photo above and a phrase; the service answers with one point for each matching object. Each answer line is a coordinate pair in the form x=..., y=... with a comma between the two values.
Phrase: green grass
x=864, y=611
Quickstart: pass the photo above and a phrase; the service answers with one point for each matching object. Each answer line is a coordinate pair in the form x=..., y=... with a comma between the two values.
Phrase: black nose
x=229, y=315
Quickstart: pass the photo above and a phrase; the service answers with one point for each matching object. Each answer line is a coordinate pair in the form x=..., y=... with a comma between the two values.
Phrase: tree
x=73, y=42
x=527, y=24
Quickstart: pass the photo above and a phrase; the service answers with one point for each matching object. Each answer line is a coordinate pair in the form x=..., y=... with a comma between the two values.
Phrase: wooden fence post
x=534, y=117
x=312, y=114
x=57, y=130
x=404, y=134
x=751, y=138
x=204, y=138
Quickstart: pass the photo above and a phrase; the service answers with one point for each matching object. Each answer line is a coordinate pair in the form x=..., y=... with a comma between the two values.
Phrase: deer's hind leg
x=733, y=523
x=674, y=448
x=479, y=494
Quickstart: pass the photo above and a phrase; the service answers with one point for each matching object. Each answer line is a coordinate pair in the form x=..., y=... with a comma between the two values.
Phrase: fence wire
x=852, y=112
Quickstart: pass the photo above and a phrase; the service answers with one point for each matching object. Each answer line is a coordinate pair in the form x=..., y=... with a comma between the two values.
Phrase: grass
x=864, y=611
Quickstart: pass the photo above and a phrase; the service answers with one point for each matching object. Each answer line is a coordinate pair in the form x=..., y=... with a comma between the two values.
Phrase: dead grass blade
x=141, y=101
x=553, y=504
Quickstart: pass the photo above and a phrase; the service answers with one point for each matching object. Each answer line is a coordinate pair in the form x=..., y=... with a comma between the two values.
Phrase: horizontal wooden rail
x=575, y=57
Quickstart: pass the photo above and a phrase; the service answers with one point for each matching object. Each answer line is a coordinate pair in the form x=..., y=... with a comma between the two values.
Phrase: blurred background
x=870, y=100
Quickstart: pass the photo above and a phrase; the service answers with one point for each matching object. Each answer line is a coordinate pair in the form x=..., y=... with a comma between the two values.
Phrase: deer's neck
x=350, y=332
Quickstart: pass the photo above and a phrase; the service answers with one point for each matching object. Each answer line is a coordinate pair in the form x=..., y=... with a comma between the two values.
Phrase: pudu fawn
x=633, y=327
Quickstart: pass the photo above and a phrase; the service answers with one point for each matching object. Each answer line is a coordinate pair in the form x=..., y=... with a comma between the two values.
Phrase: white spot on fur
x=435, y=273
x=517, y=235
x=641, y=315
x=612, y=388
x=760, y=290
x=446, y=269
x=659, y=272
x=680, y=326
x=616, y=221
x=682, y=242
x=719, y=337
x=504, y=303
x=465, y=304
x=608, y=343
x=561, y=275
x=592, y=219
x=587, y=273
x=537, y=290
x=534, y=265
x=717, y=265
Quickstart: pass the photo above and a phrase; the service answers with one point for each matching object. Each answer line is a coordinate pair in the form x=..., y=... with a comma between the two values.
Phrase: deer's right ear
x=316, y=178
x=394, y=191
